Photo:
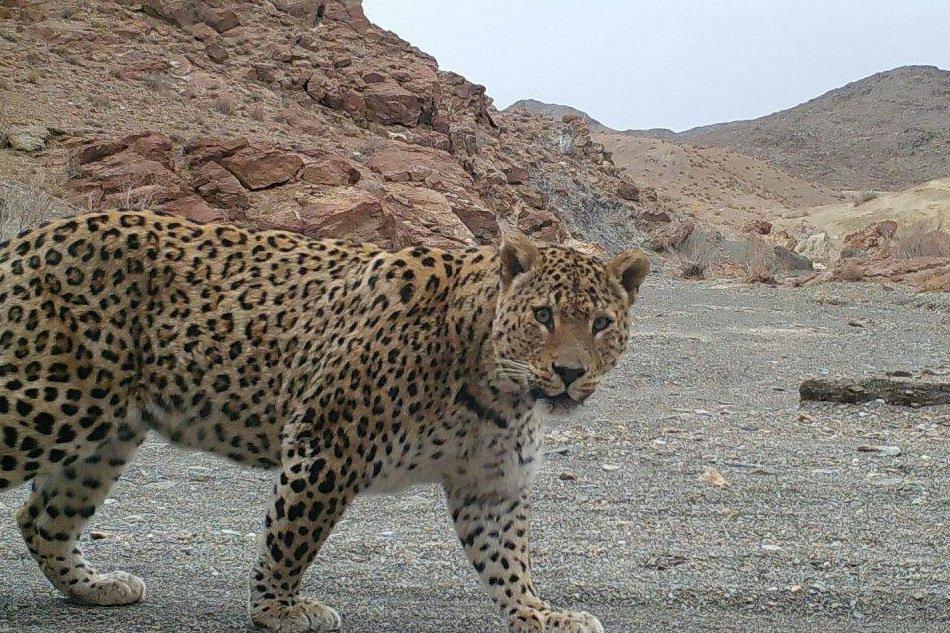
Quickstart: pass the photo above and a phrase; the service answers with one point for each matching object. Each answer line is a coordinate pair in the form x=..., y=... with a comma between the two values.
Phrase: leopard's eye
x=601, y=323
x=544, y=316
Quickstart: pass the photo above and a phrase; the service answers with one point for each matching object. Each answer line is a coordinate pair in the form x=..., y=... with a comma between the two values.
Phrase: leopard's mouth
x=559, y=403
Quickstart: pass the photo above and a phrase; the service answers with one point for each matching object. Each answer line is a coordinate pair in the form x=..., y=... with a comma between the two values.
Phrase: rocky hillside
x=291, y=113
x=886, y=132
x=556, y=111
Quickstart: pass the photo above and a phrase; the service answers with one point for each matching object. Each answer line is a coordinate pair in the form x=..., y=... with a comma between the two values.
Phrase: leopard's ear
x=518, y=255
x=629, y=268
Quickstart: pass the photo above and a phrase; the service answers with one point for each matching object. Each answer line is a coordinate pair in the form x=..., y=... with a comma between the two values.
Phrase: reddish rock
x=263, y=73
x=125, y=171
x=259, y=168
x=670, y=236
x=216, y=52
x=352, y=101
x=203, y=149
x=219, y=187
x=655, y=214
x=535, y=220
x=759, y=227
x=176, y=12
x=872, y=236
x=194, y=208
x=348, y=213
x=98, y=150
x=153, y=146
x=401, y=162
x=628, y=191
x=422, y=216
x=516, y=175
x=316, y=87
x=220, y=19
x=331, y=171
x=390, y=103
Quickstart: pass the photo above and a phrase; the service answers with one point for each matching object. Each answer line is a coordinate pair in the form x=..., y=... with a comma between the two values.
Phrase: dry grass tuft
x=921, y=239
x=694, y=256
x=224, y=105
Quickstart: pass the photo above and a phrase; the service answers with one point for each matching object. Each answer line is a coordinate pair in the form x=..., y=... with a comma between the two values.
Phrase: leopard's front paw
x=109, y=589
x=304, y=615
x=546, y=621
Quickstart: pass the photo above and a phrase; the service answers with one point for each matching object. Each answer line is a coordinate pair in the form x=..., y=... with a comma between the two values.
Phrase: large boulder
x=817, y=247
x=204, y=148
x=387, y=102
x=873, y=236
x=344, y=212
x=219, y=187
x=332, y=171
x=423, y=216
x=259, y=168
x=436, y=169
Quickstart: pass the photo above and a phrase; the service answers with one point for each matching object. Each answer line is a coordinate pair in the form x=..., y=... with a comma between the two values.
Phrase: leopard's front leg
x=494, y=533
x=310, y=496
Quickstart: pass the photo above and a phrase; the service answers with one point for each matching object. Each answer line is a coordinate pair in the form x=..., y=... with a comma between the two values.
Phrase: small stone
x=29, y=139
x=889, y=451
x=888, y=481
x=567, y=476
x=853, y=323
x=610, y=467
x=161, y=485
x=715, y=478
x=230, y=532
x=769, y=547
x=96, y=535
x=199, y=473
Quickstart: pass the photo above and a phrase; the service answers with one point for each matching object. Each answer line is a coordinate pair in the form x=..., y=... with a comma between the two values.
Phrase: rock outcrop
x=304, y=115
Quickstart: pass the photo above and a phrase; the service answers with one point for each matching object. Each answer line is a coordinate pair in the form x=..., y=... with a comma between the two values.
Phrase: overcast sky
x=672, y=63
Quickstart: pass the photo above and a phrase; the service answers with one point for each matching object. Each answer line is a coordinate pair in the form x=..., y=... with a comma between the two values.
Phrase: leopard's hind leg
x=61, y=503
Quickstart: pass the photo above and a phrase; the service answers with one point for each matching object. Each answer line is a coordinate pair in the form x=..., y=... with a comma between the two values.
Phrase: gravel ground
x=810, y=534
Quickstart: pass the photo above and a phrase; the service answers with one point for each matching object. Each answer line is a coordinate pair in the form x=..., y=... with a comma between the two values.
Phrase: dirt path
x=811, y=534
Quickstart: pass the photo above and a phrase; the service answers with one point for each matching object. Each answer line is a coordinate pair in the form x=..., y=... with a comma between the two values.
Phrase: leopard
x=343, y=367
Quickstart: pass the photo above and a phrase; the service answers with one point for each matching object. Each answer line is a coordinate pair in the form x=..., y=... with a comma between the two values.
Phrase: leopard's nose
x=569, y=374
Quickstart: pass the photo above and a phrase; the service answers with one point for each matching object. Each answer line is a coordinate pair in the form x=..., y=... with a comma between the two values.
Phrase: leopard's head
x=561, y=320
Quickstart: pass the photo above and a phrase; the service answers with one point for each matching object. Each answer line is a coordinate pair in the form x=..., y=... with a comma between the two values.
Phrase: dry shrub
x=156, y=83
x=861, y=197
x=847, y=270
x=223, y=105
x=136, y=198
x=694, y=257
x=921, y=239
x=23, y=206
x=258, y=113
x=759, y=267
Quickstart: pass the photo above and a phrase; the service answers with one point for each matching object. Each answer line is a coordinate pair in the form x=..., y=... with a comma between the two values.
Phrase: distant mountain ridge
x=888, y=131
